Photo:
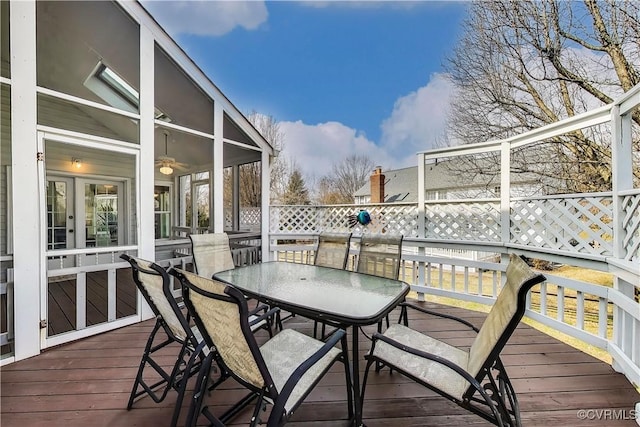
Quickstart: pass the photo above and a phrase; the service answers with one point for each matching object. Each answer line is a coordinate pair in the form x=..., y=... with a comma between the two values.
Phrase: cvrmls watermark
x=608, y=414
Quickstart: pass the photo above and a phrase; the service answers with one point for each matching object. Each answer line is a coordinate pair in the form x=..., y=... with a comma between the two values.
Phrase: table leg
x=355, y=364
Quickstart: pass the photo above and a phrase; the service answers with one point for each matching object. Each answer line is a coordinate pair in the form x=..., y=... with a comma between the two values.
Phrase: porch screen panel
x=90, y=50
x=178, y=99
x=106, y=183
x=6, y=260
x=62, y=114
x=61, y=304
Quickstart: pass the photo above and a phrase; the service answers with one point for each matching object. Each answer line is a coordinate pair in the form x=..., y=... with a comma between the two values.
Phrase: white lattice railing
x=608, y=318
x=304, y=219
x=631, y=225
x=250, y=218
x=466, y=220
x=571, y=223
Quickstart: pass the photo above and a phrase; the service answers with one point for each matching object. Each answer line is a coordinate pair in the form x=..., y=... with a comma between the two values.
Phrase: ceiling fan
x=168, y=164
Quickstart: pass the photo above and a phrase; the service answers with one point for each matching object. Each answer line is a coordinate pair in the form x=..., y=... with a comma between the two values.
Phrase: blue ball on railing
x=361, y=217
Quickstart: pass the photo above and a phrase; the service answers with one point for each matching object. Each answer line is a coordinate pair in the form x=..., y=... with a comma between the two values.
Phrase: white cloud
x=417, y=120
x=207, y=18
x=315, y=148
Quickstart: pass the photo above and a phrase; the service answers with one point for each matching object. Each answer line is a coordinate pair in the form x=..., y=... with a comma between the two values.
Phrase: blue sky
x=340, y=77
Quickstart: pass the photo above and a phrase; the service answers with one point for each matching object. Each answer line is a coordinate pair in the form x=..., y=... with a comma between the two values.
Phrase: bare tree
x=523, y=64
x=346, y=177
x=270, y=130
x=326, y=193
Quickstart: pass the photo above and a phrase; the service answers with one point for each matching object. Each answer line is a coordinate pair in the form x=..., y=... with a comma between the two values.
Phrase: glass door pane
x=201, y=192
x=60, y=223
x=101, y=214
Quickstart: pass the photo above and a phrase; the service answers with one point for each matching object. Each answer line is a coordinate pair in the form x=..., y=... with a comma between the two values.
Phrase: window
x=162, y=208
x=195, y=197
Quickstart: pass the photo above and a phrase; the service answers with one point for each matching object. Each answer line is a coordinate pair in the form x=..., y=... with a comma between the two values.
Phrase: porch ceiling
x=69, y=48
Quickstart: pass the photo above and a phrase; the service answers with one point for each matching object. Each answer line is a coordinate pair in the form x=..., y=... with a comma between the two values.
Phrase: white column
x=218, y=167
x=147, y=155
x=29, y=262
x=264, y=211
x=235, y=205
x=145, y=217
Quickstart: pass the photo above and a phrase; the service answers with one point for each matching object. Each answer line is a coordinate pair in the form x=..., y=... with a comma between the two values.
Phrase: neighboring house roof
x=401, y=185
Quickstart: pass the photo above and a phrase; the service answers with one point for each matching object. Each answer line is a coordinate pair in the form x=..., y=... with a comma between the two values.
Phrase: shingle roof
x=401, y=185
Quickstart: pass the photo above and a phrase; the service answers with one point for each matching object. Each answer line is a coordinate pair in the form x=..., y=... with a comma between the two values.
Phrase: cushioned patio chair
x=332, y=251
x=380, y=255
x=212, y=254
x=474, y=379
x=282, y=371
x=153, y=282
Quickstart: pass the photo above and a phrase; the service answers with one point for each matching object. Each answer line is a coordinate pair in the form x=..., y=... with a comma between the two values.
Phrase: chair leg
x=255, y=418
x=199, y=391
x=347, y=374
x=143, y=362
x=182, y=384
x=370, y=361
x=147, y=360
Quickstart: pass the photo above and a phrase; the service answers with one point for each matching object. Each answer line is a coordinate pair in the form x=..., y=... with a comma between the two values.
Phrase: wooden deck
x=87, y=383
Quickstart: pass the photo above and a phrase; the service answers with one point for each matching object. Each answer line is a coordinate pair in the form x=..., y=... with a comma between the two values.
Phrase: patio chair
x=332, y=251
x=282, y=371
x=380, y=255
x=212, y=254
x=475, y=379
x=153, y=282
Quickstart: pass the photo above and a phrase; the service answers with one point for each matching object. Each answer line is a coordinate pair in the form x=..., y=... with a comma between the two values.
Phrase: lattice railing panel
x=250, y=218
x=386, y=219
x=294, y=219
x=576, y=224
x=631, y=227
x=471, y=220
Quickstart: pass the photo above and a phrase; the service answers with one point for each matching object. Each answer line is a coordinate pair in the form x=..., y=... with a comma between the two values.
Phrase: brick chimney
x=377, y=186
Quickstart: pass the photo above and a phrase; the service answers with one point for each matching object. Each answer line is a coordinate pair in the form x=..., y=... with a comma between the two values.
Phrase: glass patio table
x=339, y=297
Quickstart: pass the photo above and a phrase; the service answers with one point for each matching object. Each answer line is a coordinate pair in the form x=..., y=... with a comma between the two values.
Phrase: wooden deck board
x=87, y=383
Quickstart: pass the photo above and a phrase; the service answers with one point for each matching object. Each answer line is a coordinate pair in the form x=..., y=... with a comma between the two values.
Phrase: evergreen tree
x=296, y=192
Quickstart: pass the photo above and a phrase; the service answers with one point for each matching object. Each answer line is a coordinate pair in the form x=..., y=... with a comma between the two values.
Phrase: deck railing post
x=622, y=177
x=505, y=191
x=422, y=223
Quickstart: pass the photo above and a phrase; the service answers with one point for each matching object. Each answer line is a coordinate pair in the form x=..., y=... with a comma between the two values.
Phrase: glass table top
x=326, y=292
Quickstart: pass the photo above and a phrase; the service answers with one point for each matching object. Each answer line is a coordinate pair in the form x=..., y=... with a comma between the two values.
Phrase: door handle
x=70, y=231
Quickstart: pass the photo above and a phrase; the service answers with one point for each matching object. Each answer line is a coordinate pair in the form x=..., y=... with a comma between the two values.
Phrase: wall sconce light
x=77, y=163
x=166, y=170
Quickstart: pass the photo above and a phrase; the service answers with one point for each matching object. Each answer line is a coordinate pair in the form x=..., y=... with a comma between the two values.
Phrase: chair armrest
x=425, y=355
x=267, y=313
x=287, y=389
x=433, y=313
